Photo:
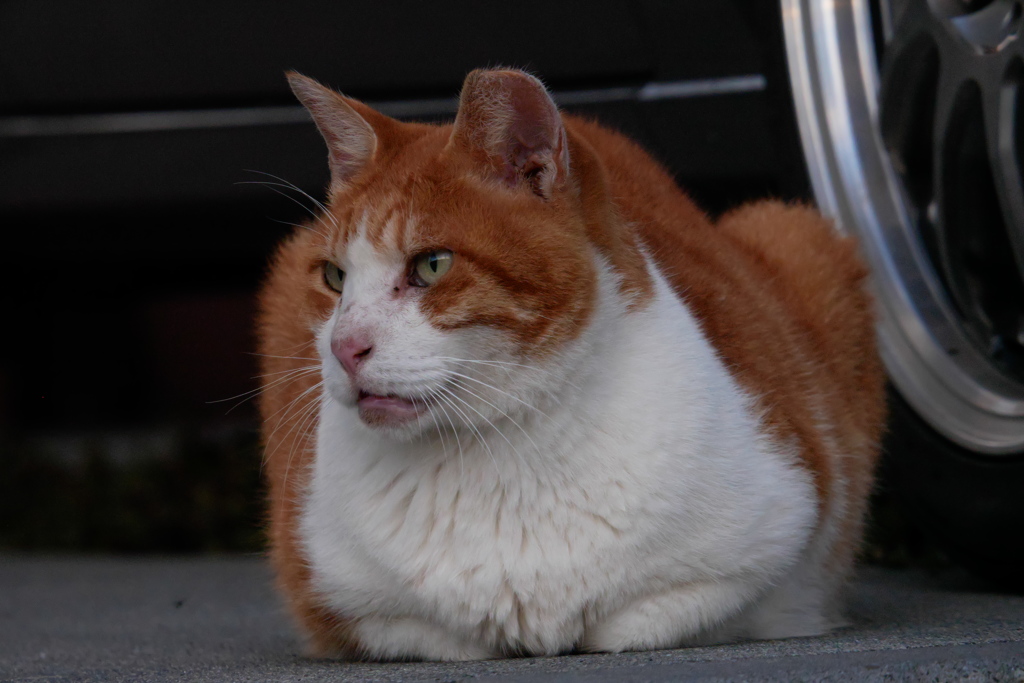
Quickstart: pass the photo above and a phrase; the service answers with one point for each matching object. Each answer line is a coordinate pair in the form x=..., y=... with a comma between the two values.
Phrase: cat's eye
x=334, y=276
x=429, y=267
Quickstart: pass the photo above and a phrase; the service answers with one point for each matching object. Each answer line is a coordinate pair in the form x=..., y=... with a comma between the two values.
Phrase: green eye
x=334, y=277
x=428, y=268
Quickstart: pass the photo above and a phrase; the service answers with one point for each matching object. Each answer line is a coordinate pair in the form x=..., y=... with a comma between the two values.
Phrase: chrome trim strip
x=147, y=121
x=205, y=119
x=712, y=86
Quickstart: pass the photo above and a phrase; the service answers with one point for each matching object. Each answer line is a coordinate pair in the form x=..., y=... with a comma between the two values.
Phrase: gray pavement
x=218, y=619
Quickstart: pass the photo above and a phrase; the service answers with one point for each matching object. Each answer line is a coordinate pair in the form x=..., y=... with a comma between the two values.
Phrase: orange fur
x=778, y=293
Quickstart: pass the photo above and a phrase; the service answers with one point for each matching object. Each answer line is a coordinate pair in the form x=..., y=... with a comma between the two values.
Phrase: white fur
x=622, y=495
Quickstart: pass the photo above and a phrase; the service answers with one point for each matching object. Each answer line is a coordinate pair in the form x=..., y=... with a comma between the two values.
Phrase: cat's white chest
x=512, y=563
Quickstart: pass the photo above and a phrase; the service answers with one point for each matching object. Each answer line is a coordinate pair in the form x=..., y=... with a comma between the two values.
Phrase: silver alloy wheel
x=921, y=161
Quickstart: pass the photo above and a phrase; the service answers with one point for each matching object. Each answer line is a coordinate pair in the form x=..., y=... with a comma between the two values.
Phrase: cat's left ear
x=350, y=137
x=508, y=122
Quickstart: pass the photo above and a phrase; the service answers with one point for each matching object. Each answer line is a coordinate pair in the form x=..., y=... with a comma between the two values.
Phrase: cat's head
x=453, y=264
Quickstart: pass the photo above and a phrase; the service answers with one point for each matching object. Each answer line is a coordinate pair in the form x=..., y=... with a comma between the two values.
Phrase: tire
x=910, y=114
x=969, y=506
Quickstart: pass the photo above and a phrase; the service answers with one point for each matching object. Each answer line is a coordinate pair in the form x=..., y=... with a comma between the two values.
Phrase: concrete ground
x=102, y=619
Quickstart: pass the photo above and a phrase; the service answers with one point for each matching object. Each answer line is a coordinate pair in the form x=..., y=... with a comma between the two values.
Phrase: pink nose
x=351, y=352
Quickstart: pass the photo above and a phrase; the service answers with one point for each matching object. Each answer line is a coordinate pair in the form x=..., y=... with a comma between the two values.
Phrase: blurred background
x=144, y=153
x=133, y=141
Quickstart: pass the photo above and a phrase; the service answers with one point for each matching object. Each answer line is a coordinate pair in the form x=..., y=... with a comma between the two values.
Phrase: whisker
x=440, y=431
x=465, y=419
x=264, y=387
x=287, y=408
x=300, y=345
x=492, y=362
x=285, y=419
x=281, y=182
x=312, y=412
x=296, y=420
x=455, y=433
x=493, y=426
x=298, y=189
x=419, y=426
x=281, y=372
x=462, y=386
x=491, y=386
x=256, y=392
x=273, y=188
x=507, y=369
x=270, y=355
x=506, y=364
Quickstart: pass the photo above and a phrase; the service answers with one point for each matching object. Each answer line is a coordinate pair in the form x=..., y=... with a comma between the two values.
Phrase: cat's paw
x=686, y=616
x=628, y=631
x=412, y=638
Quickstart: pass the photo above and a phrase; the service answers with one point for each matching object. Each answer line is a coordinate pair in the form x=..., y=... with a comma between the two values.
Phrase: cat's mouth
x=388, y=410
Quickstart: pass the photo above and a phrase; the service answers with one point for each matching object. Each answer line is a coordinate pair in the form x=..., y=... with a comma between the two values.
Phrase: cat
x=523, y=397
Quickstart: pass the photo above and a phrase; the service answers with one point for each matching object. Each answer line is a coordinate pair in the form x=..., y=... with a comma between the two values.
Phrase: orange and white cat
x=523, y=397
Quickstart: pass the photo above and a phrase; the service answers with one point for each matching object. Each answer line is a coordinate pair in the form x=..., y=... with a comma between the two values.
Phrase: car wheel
x=910, y=115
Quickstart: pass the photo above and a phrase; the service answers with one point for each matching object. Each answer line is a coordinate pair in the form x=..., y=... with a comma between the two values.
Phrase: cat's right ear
x=509, y=124
x=351, y=140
